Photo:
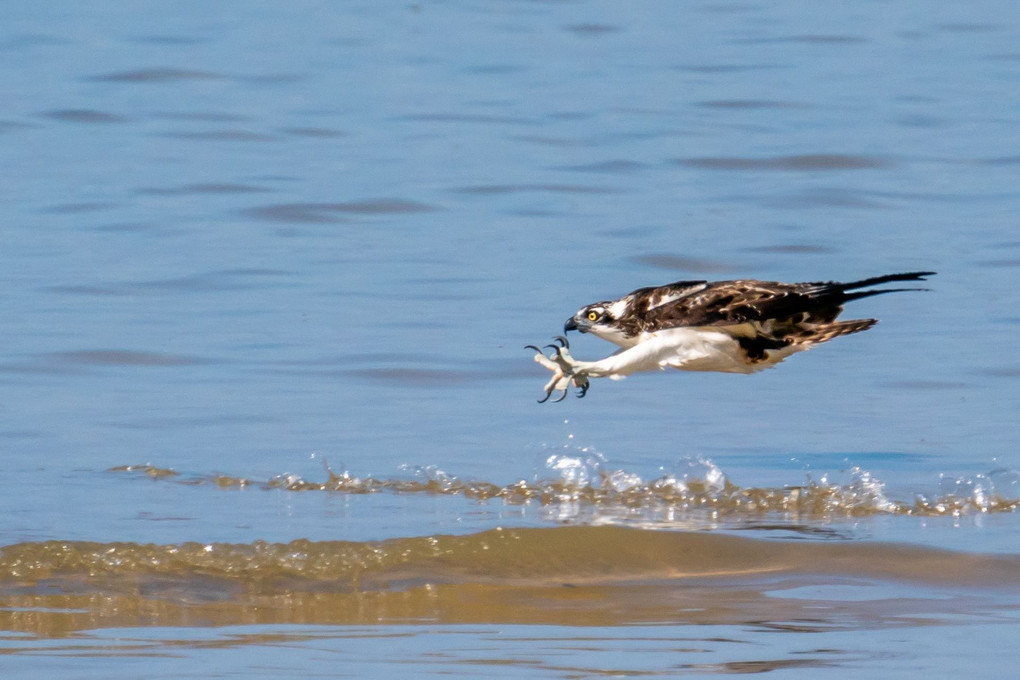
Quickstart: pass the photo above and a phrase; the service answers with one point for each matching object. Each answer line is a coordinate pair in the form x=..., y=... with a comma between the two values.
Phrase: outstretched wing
x=733, y=303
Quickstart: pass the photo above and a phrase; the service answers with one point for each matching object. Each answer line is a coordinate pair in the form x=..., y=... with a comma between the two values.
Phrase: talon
x=562, y=365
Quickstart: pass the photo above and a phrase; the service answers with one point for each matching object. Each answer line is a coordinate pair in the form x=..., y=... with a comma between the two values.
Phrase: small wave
x=797, y=163
x=576, y=555
x=584, y=481
x=563, y=575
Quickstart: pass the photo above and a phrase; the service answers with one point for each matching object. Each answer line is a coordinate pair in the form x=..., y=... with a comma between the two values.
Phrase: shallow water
x=269, y=272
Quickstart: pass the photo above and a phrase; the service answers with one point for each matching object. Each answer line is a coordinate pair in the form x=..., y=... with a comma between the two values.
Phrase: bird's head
x=601, y=320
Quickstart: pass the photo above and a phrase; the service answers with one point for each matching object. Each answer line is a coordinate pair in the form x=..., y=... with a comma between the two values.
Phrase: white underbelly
x=700, y=349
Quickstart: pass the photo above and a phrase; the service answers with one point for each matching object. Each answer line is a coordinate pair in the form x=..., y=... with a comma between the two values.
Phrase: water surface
x=269, y=271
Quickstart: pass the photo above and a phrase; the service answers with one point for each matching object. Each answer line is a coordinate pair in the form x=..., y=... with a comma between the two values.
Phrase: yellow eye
x=593, y=316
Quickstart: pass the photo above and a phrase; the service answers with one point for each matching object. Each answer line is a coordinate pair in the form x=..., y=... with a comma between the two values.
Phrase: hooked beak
x=573, y=325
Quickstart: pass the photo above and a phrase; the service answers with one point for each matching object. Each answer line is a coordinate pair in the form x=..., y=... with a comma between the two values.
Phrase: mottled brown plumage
x=740, y=326
x=780, y=314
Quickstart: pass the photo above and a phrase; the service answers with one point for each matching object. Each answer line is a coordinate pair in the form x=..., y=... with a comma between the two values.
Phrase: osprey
x=739, y=326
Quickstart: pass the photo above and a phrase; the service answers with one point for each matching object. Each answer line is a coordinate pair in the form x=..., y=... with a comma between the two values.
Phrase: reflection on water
x=552, y=650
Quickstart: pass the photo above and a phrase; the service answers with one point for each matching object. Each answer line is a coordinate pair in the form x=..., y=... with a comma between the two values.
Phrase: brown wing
x=781, y=313
x=730, y=303
x=785, y=306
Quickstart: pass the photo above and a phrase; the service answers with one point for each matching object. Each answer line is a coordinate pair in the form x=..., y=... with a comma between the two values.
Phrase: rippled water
x=270, y=269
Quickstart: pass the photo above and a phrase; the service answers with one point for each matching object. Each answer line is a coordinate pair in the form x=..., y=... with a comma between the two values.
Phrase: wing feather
x=744, y=301
x=723, y=303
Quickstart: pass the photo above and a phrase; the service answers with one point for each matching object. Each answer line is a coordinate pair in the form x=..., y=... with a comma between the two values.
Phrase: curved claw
x=562, y=366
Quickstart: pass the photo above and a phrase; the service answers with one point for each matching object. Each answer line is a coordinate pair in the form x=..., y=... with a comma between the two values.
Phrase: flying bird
x=739, y=326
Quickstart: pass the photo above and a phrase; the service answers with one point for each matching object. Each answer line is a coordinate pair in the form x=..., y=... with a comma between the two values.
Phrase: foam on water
x=595, y=490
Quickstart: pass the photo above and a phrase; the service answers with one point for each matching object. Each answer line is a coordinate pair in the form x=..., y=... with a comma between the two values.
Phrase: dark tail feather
x=837, y=292
x=882, y=291
x=874, y=281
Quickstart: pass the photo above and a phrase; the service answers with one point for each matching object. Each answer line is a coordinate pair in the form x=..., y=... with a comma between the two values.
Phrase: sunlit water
x=269, y=271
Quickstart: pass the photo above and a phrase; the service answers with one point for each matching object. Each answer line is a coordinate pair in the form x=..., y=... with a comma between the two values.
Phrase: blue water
x=251, y=238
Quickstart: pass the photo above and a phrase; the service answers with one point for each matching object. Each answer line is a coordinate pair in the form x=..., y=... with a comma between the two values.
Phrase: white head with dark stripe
x=602, y=319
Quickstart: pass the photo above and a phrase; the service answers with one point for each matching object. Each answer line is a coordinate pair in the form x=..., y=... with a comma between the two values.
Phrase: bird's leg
x=563, y=366
x=559, y=380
